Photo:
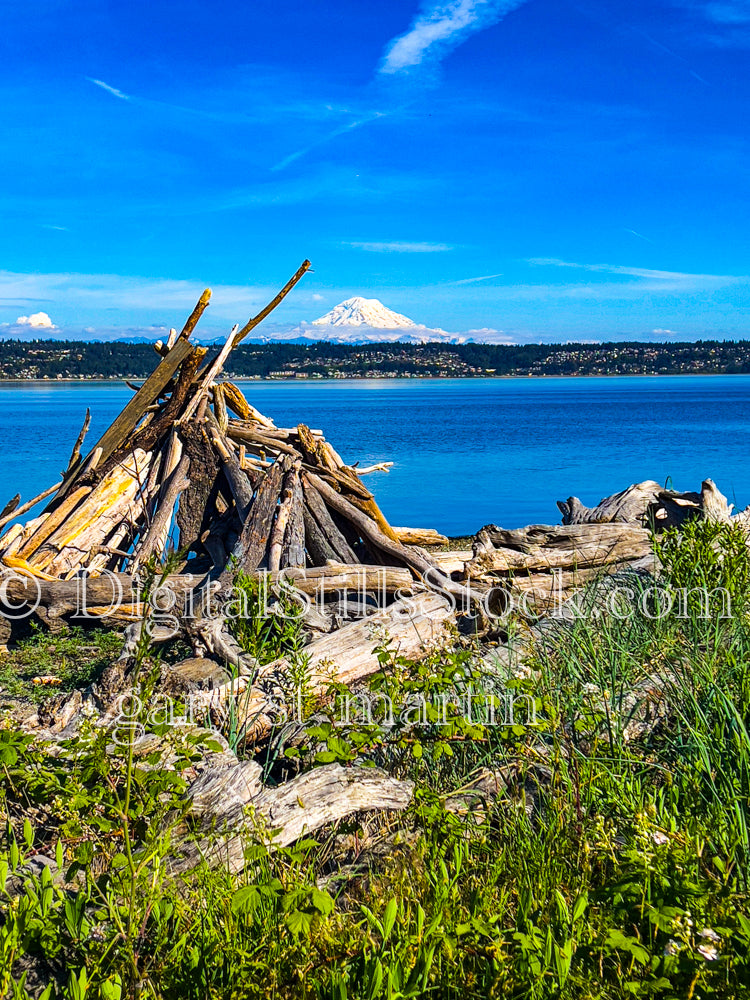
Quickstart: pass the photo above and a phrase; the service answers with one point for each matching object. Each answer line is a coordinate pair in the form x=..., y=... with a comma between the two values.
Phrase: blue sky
x=539, y=170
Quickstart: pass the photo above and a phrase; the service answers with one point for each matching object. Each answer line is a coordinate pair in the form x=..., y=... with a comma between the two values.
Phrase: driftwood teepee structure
x=190, y=450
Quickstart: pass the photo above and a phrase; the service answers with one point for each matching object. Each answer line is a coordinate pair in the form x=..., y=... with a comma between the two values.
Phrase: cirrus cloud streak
x=440, y=28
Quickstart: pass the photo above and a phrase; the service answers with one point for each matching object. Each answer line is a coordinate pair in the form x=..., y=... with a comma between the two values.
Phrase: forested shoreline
x=55, y=359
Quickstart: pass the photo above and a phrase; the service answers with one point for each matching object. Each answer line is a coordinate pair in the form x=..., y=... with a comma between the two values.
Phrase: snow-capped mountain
x=364, y=312
x=367, y=321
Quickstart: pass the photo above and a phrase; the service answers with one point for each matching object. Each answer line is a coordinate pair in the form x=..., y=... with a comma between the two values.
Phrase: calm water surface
x=465, y=452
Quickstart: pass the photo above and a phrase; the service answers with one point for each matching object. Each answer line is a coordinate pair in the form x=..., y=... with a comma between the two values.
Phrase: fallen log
x=420, y=536
x=236, y=813
x=101, y=595
x=544, y=547
x=630, y=505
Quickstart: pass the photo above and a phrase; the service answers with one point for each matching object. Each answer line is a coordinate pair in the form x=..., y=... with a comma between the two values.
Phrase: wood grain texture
x=238, y=814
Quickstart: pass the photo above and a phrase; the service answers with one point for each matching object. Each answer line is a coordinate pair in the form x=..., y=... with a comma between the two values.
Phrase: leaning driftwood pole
x=125, y=423
x=371, y=533
x=18, y=511
x=252, y=323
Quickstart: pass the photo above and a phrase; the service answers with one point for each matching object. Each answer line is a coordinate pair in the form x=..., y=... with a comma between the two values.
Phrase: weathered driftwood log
x=420, y=536
x=454, y=561
x=194, y=512
x=630, y=505
x=207, y=376
x=118, y=597
x=212, y=635
x=278, y=531
x=421, y=564
x=411, y=625
x=649, y=503
x=544, y=592
x=328, y=538
x=544, y=547
x=234, y=808
x=336, y=577
x=16, y=512
x=125, y=423
x=119, y=496
x=314, y=450
x=220, y=407
x=714, y=504
x=251, y=547
x=11, y=505
x=75, y=455
x=52, y=522
x=148, y=435
x=235, y=400
x=293, y=549
x=239, y=484
x=155, y=539
x=318, y=547
x=267, y=310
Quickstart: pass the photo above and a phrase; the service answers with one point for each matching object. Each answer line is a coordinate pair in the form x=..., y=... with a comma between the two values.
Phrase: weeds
x=612, y=865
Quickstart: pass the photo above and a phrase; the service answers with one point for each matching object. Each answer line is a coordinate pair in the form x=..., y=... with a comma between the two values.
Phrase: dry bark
x=544, y=547
x=333, y=540
x=251, y=547
x=237, y=810
x=420, y=536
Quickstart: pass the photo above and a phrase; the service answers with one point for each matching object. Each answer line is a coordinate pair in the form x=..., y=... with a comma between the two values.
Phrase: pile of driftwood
x=191, y=467
x=190, y=451
x=543, y=565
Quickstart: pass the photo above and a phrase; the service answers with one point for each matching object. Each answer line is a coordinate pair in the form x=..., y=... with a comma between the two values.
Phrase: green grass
x=74, y=656
x=615, y=865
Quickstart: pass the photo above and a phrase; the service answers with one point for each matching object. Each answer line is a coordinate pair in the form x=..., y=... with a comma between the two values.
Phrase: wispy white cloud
x=341, y=130
x=640, y=236
x=722, y=22
x=397, y=246
x=650, y=274
x=440, y=28
x=110, y=90
x=100, y=294
x=727, y=12
x=471, y=281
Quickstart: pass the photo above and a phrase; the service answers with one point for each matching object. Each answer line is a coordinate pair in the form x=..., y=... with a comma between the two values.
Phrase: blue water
x=465, y=452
